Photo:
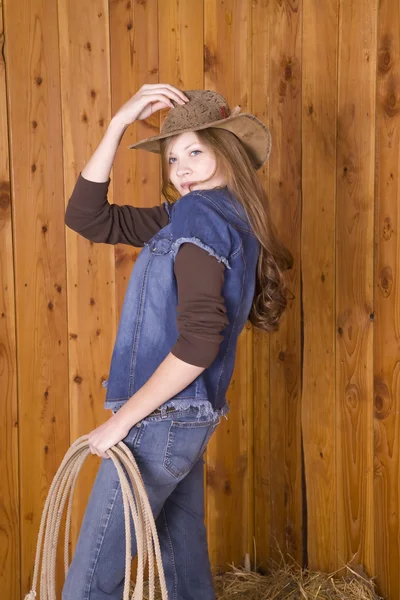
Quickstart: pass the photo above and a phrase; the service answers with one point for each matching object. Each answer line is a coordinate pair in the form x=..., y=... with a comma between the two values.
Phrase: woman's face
x=189, y=160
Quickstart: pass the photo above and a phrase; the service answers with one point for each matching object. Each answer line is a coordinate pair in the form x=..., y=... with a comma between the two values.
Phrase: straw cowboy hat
x=207, y=108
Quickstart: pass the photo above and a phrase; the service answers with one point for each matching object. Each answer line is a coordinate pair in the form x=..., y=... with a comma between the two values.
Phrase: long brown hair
x=270, y=298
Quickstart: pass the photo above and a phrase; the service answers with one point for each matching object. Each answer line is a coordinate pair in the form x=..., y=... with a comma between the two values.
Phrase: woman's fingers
x=166, y=94
x=173, y=91
x=141, y=105
x=97, y=452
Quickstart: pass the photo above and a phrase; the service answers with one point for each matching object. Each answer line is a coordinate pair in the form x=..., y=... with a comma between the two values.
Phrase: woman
x=211, y=259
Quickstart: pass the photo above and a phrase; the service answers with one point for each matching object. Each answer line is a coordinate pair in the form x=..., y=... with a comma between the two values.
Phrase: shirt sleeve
x=201, y=310
x=91, y=215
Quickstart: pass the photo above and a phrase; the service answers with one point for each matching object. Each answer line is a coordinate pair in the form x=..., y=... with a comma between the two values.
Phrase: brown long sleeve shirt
x=201, y=311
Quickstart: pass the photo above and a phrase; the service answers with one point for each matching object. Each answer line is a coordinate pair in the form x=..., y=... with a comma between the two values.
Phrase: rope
x=137, y=505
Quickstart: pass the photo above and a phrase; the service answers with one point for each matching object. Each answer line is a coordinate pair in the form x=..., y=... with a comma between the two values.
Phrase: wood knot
x=4, y=195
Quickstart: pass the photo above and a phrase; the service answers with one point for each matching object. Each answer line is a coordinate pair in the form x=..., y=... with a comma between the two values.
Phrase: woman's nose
x=182, y=169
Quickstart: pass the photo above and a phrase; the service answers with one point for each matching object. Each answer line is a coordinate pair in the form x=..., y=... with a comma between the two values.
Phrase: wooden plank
x=285, y=345
x=354, y=280
x=10, y=582
x=230, y=506
x=260, y=36
x=386, y=307
x=38, y=231
x=319, y=85
x=85, y=96
x=136, y=173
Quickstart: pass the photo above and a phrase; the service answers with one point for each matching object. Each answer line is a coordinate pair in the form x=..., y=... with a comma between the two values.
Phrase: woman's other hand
x=107, y=435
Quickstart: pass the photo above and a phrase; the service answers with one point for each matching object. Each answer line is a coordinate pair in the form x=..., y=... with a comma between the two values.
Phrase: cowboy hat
x=207, y=108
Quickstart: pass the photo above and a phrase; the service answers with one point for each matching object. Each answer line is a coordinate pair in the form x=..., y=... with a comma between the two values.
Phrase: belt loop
x=163, y=412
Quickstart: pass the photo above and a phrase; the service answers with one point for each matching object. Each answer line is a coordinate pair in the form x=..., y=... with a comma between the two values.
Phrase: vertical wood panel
x=33, y=87
x=386, y=322
x=227, y=55
x=260, y=39
x=9, y=489
x=318, y=277
x=136, y=173
x=85, y=93
x=354, y=272
x=285, y=345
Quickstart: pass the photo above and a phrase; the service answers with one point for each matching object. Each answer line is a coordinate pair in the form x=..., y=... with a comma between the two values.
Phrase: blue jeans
x=168, y=448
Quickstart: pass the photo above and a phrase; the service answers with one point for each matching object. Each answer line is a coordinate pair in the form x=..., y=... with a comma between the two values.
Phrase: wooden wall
x=308, y=460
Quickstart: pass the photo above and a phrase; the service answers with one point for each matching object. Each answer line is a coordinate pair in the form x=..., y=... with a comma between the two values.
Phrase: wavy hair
x=270, y=297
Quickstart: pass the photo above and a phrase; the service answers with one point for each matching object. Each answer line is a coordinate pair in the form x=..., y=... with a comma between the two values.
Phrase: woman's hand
x=109, y=434
x=149, y=99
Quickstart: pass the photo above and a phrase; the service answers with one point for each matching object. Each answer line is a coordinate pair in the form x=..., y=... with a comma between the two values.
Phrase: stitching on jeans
x=102, y=540
x=171, y=556
x=167, y=463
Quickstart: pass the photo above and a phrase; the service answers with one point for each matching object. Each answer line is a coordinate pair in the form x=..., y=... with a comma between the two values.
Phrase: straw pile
x=288, y=581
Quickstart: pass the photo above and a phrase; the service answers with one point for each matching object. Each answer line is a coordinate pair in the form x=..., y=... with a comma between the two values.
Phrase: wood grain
x=286, y=345
x=33, y=85
x=386, y=401
x=319, y=122
x=354, y=281
x=10, y=568
x=260, y=106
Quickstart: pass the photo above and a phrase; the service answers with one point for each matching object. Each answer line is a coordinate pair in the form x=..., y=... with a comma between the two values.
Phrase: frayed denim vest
x=215, y=221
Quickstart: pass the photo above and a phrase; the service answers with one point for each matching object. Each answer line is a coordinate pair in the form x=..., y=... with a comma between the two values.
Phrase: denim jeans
x=168, y=448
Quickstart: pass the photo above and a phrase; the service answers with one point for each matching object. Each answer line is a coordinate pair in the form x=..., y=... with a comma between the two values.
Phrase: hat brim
x=254, y=135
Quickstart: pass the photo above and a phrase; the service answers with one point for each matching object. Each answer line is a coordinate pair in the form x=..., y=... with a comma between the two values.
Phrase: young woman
x=210, y=260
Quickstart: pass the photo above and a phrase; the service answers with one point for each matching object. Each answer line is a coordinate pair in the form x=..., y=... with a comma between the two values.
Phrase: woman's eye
x=172, y=158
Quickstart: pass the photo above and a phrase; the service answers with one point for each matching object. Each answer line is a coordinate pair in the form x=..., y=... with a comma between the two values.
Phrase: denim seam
x=236, y=251
x=232, y=330
x=124, y=399
x=198, y=242
x=137, y=329
x=102, y=538
x=198, y=193
x=167, y=208
x=138, y=438
x=172, y=556
x=221, y=212
x=192, y=424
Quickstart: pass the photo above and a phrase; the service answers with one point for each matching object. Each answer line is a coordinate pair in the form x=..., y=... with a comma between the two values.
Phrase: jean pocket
x=134, y=436
x=186, y=442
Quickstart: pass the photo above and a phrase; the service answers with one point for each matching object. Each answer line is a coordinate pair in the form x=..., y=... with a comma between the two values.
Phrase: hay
x=288, y=581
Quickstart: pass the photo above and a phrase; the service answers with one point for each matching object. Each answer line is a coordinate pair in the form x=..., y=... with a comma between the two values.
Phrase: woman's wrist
x=118, y=124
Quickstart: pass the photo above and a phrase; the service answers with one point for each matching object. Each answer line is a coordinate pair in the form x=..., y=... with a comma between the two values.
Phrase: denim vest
x=215, y=221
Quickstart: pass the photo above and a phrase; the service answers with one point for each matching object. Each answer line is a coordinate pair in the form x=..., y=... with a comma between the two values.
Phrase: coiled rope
x=63, y=485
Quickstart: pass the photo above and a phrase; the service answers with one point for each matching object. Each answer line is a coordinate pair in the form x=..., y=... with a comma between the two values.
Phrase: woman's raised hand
x=149, y=99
